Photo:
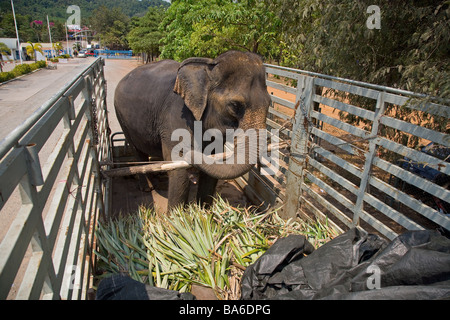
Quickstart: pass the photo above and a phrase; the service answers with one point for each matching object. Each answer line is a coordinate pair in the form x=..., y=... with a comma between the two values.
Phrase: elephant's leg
x=179, y=182
x=206, y=189
x=178, y=188
x=145, y=184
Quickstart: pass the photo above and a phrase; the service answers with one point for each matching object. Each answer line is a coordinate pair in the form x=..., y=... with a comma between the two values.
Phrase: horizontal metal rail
x=47, y=251
x=347, y=161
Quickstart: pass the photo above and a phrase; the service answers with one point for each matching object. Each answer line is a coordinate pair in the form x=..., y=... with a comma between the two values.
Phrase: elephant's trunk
x=243, y=156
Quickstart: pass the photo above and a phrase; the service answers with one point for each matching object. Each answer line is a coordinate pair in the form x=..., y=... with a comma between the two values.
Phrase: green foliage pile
x=210, y=247
x=21, y=70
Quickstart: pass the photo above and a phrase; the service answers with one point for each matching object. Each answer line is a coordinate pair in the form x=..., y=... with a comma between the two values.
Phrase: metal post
x=379, y=111
x=50, y=36
x=299, y=147
x=34, y=165
x=17, y=32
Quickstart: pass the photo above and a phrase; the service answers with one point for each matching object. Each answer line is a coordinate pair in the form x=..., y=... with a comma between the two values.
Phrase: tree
x=145, y=37
x=409, y=51
x=111, y=26
x=33, y=48
x=4, y=50
x=58, y=47
x=208, y=28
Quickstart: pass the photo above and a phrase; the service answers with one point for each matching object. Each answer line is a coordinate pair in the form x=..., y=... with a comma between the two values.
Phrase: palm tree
x=31, y=50
x=57, y=46
x=4, y=50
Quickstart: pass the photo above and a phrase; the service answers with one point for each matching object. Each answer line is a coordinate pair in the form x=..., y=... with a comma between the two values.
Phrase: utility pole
x=50, y=35
x=17, y=33
x=67, y=39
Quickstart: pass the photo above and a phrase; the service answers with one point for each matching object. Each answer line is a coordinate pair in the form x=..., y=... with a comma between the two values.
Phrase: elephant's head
x=228, y=92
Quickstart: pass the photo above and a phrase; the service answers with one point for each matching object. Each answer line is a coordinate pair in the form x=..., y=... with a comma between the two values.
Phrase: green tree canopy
x=112, y=26
x=210, y=27
x=145, y=37
x=410, y=51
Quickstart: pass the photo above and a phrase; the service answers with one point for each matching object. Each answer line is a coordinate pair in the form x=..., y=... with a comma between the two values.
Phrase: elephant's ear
x=193, y=83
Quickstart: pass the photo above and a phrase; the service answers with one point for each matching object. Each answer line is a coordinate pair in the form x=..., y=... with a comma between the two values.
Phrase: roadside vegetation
x=21, y=70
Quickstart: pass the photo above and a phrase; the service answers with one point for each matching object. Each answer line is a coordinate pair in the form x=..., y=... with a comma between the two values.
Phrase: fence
x=114, y=54
x=352, y=156
x=51, y=237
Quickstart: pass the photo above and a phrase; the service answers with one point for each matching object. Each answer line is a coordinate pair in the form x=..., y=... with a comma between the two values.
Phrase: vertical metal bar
x=299, y=146
x=379, y=111
x=34, y=165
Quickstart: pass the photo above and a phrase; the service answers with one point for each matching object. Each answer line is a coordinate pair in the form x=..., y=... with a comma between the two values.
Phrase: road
x=21, y=97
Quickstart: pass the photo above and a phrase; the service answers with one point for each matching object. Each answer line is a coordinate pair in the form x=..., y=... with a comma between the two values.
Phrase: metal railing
x=62, y=195
x=114, y=54
x=351, y=161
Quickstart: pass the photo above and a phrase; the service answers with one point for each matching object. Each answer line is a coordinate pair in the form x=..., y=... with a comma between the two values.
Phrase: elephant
x=228, y=92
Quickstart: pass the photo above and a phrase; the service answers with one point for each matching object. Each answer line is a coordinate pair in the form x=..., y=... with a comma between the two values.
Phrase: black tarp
x=354, y=265
x=122, y=287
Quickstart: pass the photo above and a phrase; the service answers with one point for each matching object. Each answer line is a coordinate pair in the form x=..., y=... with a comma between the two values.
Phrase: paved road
x=21, y=97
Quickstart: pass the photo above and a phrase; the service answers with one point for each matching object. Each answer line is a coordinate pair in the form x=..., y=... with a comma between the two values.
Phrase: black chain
x=94, y=122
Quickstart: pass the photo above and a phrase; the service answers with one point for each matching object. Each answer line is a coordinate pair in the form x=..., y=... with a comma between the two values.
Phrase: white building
x=11, y=43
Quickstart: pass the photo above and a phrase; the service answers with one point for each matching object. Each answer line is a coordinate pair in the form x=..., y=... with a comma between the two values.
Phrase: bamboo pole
x=165, y=166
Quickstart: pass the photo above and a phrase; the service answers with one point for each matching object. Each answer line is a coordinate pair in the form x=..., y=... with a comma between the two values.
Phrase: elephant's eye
x=236, y=108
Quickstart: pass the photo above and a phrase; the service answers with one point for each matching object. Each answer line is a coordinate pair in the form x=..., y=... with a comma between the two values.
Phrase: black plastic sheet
x=354, y=265
x=122, y=287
